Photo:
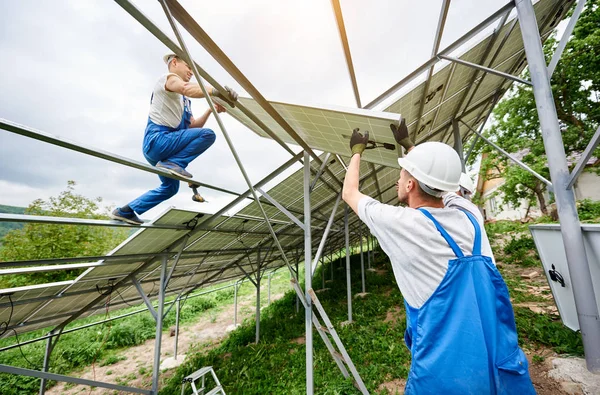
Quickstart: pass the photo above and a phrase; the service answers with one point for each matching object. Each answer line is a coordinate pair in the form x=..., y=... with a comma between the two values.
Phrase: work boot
x=196, y=197
x=129, y=217
x=174, y=169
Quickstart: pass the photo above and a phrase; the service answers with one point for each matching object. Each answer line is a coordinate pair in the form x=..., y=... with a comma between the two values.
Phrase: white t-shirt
x=418, y=253
x=166, y=108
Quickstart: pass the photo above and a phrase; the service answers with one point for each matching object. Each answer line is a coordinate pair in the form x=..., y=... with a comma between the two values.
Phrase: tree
x=46, y=241
x=515, y=127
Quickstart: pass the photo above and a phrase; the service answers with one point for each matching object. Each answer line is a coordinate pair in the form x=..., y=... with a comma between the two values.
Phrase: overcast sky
x=84, y=70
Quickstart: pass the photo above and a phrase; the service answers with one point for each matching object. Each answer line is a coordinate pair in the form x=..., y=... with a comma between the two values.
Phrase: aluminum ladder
x=201, y=375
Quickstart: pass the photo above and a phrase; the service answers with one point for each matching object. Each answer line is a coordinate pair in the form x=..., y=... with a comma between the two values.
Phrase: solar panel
x=326, y=128
x=452, y=89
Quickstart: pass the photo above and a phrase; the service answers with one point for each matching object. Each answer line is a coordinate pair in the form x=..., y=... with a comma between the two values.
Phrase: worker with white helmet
x=173, y=137
x=460, y=324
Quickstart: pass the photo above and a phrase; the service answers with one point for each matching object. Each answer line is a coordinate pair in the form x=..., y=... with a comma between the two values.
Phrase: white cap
x=434, y=164
x=168, y=57
x=467, y=183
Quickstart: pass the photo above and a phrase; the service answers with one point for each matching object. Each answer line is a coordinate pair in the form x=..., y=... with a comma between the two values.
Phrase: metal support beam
x=76, y=380
x=178, y=308
x=270, y=275
x=337, y=9
x=308, y=278
x=159, y=326
x=162, y=37
x=458, y=146
x=321, y=168
x=466, y=37
x=23, y=218
x=246, y=274
x=362, y=260
x=565, y=38
x=509, y=156
x=348, y=279
x=476, y=139
x=368, y=249
x=485, y=69
x=189, y=24
x=54, y=140
x=49, y=347
x=281, y=208
x=147, y=302
x=587, y=154
x=325, y=234
x=436, y=46
x=583, y=290
x=257, y=312
x=176, y=260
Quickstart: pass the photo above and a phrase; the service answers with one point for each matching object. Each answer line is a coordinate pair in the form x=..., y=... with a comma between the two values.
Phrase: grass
x=101, y=343
x=277, y=363
x=375, y=344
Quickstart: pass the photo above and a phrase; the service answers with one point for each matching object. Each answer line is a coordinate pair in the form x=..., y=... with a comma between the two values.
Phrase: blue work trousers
x=177, y=146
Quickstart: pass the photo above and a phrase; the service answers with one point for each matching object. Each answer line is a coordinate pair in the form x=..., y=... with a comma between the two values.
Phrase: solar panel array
x=224, y=251
x=452, y=91
x=227, y=247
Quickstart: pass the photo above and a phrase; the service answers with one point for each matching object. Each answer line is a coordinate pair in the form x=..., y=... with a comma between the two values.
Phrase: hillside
x=6, y=227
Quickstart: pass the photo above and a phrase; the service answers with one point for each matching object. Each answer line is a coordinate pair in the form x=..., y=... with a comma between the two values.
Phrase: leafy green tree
x=516, y=128
x=46, y=241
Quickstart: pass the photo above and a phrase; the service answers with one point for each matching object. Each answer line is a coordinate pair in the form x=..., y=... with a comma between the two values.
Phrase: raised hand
x=358, y=142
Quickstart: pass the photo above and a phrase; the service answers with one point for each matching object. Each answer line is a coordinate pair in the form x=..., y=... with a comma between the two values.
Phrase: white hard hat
x=168, y=57
x=434, y=164
x=466, y=182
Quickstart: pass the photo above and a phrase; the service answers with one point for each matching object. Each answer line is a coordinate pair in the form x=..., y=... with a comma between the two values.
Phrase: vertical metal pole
x=46, y=363
x=297, y=275
x=235, y=291
x=269, y=298
x=348, y=285
x=585, y=300
x=368, y=250
x=307, y=276
x=322, y=273
x=159, y=326
x=362, y=260
x=177, y=327
x=458, y=146
x=257, y=307
x=331, y=263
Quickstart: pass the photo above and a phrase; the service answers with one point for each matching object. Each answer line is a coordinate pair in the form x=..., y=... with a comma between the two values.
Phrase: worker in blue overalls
x=460, y=324
x=173, y=137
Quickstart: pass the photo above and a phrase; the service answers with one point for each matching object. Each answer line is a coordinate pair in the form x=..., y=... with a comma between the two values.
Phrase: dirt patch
x=393, y=387
x=544, y=385
x=393, y=315
x=136, y=369
x=299, y=340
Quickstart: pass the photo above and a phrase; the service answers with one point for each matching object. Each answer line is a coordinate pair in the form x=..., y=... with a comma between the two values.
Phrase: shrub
x=521, y=251
x=588, y=210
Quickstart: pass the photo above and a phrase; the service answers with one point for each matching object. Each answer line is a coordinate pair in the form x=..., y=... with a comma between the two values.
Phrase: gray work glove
x=358, y=142
x=230, y=95
x=401, y=135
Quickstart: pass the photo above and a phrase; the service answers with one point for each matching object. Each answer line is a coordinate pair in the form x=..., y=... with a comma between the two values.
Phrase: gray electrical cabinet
x=549, y=243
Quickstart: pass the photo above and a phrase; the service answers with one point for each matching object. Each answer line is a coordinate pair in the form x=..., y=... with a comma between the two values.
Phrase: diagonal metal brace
x=587, y=154
x=509, y=156
x=281, y=208
x=138, y=286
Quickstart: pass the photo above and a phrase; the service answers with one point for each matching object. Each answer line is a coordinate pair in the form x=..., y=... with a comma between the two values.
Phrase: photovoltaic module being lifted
x=328, y=128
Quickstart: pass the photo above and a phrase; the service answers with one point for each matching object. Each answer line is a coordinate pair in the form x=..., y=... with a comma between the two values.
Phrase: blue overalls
x=178, y=145
x=463, y=340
